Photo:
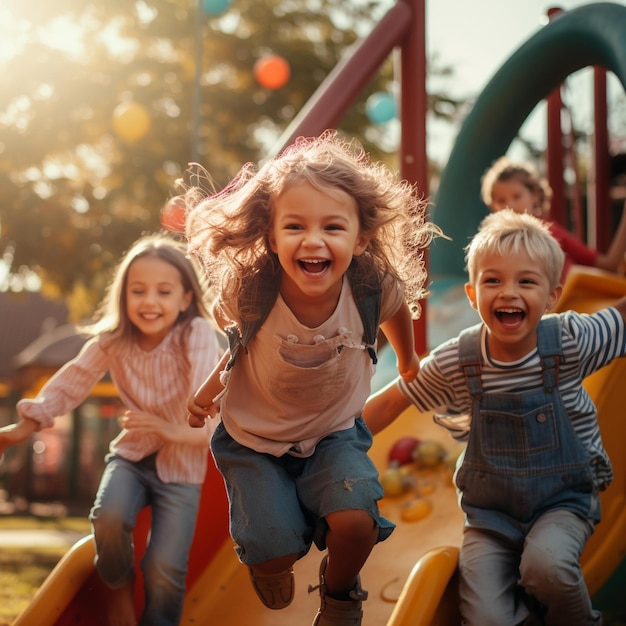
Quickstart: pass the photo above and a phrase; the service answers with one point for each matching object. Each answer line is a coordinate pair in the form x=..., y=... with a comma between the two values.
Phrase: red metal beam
x=342, y=86
x=413, y=113
x=555, y=152
x=599, y=209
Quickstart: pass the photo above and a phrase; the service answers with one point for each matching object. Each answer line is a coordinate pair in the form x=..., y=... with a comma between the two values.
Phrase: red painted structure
x=599, y=220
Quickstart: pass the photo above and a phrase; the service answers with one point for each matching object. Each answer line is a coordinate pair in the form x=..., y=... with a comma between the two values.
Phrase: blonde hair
x=229, y=231
x=112, y=316
x=507, y=232
x=504, y=170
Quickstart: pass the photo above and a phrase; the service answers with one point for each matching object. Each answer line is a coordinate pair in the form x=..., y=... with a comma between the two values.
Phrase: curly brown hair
x=229, y=231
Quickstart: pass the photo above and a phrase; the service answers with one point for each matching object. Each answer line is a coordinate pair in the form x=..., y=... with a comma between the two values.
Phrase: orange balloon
x=131, y=121
x=272, y=72
x=173, y=215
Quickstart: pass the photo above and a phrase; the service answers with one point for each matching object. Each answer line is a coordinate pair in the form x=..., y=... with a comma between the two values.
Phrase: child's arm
x=16, y=433
x=384, y=406
x=399, y=331
x=620, y=305
x=201, y=405
x=167, y=431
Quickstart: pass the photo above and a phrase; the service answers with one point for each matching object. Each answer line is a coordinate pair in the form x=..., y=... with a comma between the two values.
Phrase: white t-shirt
x=295, y=385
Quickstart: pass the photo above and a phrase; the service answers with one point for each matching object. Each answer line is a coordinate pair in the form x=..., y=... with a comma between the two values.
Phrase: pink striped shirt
x=159, y=382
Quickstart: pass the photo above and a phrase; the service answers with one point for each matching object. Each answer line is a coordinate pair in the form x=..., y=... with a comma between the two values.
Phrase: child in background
x=155, y=338
x=294, y=250
x=534, y=463
x=518, y=187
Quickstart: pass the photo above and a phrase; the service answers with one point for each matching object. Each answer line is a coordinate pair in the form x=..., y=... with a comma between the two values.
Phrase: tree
x=76, y=193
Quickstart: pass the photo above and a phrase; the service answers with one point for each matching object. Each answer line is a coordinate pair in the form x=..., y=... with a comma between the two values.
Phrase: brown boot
x=338, y=612
x=275, y=591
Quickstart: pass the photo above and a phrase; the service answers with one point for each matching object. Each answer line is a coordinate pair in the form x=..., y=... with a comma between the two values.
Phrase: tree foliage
x=75, y=193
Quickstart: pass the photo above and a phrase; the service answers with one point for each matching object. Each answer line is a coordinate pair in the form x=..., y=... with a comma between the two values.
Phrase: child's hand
x=196, y=421
x=409, y=371
x=145, y=423
x=198, y=414
x=16, y=433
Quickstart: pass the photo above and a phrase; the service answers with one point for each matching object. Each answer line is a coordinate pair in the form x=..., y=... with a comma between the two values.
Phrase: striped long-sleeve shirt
x=159, y=382
x=589, y=343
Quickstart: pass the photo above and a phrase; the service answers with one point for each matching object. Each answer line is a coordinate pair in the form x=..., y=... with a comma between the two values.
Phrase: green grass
x=31, y=522
x=23, y=569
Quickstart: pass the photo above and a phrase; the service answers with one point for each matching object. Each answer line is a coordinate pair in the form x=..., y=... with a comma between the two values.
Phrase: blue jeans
x=498, y=575
x=125, y=488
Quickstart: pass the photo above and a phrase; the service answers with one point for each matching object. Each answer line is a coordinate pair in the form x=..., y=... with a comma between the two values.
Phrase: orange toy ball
x=173, y=215
x=272, y=72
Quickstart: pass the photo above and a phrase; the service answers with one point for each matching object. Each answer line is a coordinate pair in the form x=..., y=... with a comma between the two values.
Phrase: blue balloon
x=381, y=107
x=215, y=7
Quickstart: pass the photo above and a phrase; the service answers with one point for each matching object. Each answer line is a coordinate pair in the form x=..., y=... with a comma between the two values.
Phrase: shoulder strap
x=469, y=358
x=367, y=297
x=550, y=350
x=239, y=336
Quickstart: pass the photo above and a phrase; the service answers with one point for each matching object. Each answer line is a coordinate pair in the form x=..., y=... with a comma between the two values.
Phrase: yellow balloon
x=131, y=121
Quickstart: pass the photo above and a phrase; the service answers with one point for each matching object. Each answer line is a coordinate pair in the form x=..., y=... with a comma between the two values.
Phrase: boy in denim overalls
x=512, y=387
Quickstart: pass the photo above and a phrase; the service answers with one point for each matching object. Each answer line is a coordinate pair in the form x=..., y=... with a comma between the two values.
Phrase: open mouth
x=314, y=266
x=149, y=316
x=510, y=317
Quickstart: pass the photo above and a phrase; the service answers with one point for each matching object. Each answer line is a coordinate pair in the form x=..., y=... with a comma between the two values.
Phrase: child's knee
x=108, y=526
x=488, y=600
x=160, y=573
x=352, y=524
x=542, y=571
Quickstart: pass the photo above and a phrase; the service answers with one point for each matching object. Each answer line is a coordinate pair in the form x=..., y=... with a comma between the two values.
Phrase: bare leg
x=350, y=538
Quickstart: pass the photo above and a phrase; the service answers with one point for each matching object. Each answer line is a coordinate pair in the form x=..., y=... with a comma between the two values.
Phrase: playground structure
x=410, y=577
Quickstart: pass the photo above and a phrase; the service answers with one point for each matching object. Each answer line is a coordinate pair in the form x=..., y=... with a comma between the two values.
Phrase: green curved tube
x=590, y=35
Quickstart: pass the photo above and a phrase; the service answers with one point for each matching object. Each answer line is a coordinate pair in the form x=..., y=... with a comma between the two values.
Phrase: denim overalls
x=523, y=456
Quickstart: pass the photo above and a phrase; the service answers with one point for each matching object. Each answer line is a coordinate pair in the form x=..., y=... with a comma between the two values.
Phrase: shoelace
x=358, y=593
